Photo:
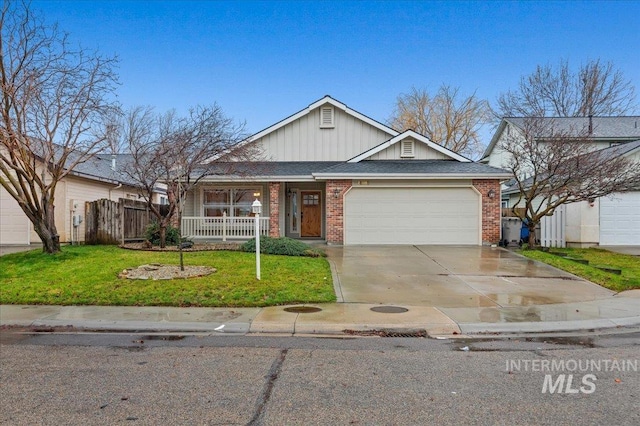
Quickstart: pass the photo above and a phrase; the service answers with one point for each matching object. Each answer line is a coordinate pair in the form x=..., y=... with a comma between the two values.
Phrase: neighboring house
x=330, y=173
x=98, y=178
x=613, y=220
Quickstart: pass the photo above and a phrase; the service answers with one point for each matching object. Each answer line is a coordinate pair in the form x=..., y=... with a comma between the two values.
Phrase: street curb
x=134, y=326
x=550, y=326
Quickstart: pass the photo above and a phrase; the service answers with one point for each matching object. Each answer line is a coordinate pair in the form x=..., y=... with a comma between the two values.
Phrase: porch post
x=274, y=209
x=335, y=190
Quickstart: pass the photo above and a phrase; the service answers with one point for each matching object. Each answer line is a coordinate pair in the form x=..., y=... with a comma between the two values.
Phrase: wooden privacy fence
x=116, y=222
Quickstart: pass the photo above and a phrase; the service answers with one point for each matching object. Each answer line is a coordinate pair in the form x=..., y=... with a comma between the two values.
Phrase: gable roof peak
x=322, y=101
x=409, y=134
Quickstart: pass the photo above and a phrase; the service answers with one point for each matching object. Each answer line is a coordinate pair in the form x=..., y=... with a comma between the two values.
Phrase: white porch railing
x=223, y=228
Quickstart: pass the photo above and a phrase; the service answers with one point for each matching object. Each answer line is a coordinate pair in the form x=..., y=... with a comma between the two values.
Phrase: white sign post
x=256, y=208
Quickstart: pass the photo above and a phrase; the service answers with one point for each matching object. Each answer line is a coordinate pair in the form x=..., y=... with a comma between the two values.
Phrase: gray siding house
x=333, y=174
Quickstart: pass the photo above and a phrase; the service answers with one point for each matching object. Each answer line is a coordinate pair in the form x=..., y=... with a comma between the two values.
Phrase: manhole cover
x=389, y=309
x=302, y=309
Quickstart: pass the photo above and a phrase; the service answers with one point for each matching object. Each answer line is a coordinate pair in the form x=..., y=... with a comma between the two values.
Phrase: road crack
x=272, y=377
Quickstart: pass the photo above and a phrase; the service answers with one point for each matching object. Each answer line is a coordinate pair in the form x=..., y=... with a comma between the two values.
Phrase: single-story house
x=100, y=177
x=613, y=220
x=333, y=174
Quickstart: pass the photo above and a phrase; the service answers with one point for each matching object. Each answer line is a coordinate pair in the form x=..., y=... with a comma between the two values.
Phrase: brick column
x=274, y=209
x=491, y=216
x=335, y=210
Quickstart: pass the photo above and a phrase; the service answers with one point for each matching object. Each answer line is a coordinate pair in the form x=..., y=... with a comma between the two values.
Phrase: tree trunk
x=532, y=235
x=47, y=231
x=163, y=234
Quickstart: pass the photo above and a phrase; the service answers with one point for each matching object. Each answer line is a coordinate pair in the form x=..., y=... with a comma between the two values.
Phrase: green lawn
x=88, y=275
x=630, y=266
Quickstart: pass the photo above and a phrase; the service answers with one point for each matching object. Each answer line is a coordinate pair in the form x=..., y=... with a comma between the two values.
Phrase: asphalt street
x=155, y=379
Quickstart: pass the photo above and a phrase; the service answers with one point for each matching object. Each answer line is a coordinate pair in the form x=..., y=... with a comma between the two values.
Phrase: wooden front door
x=310, y=214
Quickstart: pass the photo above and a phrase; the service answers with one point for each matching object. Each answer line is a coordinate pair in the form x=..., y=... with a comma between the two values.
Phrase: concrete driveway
x=453, y=277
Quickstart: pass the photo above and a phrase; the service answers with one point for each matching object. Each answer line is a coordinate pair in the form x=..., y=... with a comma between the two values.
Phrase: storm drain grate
x=302, y=309
x=389, y=309
x=387, y=333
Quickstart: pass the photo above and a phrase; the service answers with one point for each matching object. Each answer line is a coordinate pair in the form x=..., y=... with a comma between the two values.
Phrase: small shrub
x=152, y=234
x=283, y=246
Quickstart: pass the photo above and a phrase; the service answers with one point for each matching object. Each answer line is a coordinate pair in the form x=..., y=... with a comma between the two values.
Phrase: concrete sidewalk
x=621, y=310
x=443, y=290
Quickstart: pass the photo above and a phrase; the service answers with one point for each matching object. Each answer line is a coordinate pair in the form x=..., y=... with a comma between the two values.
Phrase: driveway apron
x=453, y=277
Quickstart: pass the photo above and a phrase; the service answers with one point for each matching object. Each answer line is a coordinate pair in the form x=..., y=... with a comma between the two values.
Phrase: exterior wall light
x=336, y=193
x=491, y=193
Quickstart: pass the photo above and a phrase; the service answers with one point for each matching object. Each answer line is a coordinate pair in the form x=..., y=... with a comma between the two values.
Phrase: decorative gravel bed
x=196, y=247
x=156, y=271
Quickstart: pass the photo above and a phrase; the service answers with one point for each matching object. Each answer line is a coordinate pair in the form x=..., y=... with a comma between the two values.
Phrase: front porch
x=305, y=210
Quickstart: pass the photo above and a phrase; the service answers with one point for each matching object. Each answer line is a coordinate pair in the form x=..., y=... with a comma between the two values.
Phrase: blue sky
x=262, y=61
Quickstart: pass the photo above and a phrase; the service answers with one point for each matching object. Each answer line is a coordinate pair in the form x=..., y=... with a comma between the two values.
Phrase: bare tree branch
x=447, y=118
x=178, y=152
x=597, y=89
x=54, y=98
x=554, y=166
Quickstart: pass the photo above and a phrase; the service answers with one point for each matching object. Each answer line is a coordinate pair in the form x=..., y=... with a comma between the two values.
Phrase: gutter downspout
x=114, y=189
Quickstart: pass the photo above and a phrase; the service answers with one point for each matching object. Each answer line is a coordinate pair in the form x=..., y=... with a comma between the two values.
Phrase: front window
x=230, y=201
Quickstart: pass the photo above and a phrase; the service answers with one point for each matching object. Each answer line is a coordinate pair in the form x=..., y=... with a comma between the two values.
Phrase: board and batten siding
x=304, y=140
x=421, y=152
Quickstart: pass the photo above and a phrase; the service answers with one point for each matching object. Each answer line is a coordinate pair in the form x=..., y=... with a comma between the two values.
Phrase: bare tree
x=178, y=152
x=53, y=100
x=555, y=166
x=446, y=118
x=597, y=88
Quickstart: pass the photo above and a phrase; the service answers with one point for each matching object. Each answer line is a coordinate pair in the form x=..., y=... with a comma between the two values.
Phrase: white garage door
x=412, y=216
x=620, y=220
x=14, y=225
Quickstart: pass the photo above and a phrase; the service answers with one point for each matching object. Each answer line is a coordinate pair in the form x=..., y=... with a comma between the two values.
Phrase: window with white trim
x=407, y=148
x=232, y=201
x=327, y=117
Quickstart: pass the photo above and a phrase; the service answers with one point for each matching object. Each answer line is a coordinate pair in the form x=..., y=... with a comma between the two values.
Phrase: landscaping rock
x=165, y=272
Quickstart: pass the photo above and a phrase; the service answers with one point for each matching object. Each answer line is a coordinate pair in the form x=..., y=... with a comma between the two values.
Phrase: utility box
x=77, y=220
x=75, y=206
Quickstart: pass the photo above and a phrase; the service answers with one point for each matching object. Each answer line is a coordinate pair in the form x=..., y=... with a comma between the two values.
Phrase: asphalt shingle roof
x=413, y=167
x=99, y=166
x=271, y=168
x=381, y=167
x=627, y=127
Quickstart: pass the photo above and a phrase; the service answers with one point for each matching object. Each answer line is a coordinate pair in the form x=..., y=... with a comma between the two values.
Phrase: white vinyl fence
x=552, y=229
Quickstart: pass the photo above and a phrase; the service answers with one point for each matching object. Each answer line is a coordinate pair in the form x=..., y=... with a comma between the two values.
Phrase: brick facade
x=274, y=209
x=335, y=191
x=491, y=220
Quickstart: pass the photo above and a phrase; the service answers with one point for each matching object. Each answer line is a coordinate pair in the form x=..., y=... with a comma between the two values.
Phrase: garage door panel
x=412, y=216
x=620, y=219
x=14, y=224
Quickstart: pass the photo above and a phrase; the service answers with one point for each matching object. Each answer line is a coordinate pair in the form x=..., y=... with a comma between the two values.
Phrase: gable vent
x=326, y=117
x=406, y=148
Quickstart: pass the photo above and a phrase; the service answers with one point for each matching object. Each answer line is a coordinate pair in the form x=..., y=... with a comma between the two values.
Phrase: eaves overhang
x=408, y=176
